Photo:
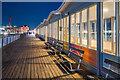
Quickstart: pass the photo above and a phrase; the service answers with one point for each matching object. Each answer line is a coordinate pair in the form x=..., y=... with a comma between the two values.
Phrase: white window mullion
x=88, y=27
x=75, y=28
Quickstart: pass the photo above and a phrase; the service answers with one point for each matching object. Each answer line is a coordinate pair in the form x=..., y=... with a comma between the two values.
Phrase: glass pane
x=72, y=28
x=56, y=29
x=72, y=33
x=109, y=28
x=93, y=31
x=64, y=29
x=78, y=34
x=46, y=34
x=78, y=17
x=67, y=28
x=93, y=27
x=59, y=30
x=84, y=27
x=77, y=28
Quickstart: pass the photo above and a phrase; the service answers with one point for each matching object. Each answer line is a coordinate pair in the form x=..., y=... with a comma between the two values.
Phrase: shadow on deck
x=27, y=58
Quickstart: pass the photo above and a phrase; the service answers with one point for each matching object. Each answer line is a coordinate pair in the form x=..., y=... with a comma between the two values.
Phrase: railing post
x=2, y=40
x=7, y=39
x=10, y=39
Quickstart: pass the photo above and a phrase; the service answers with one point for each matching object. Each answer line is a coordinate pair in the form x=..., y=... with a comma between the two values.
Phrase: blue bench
x=68, y=58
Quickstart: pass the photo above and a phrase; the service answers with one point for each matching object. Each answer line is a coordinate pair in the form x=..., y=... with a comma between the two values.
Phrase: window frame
x=73, y=16
x=116, y=31
x=95, y=29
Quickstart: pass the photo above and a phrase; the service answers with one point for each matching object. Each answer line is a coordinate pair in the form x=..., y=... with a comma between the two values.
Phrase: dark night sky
x=27, y=13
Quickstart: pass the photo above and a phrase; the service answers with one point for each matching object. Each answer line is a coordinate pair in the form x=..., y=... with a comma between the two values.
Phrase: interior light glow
x=105, y=9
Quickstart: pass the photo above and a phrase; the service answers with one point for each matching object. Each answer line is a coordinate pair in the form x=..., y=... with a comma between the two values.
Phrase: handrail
x=7, y=39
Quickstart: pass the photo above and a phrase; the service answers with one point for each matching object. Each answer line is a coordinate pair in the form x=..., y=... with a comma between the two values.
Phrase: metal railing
x=7, y=39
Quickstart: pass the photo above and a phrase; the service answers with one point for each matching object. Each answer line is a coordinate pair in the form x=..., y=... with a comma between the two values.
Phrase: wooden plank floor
x=27, y=58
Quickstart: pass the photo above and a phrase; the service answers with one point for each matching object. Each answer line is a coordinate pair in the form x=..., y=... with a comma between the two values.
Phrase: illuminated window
x=93, y=27
x=109, y=28
x=78, y=34
x=84, y=32
x=47, y=30
x=55, y=29
x=46, y=34
x=78, y=27
x=59, y=30
x=72, y=28
x=93, y=30
x=64, y=29
x=84, y=28
x=67, y=28
x=50, y=32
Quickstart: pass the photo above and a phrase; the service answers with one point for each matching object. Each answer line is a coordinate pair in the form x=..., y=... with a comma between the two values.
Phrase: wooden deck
x=27, y=58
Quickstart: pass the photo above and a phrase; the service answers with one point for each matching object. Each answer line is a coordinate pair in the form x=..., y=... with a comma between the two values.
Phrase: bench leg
x=62, y=59
x=55, y=52
x=79, y=64
x=106, y=76
x=48, y=47
x=71, y=69
x=60, y=52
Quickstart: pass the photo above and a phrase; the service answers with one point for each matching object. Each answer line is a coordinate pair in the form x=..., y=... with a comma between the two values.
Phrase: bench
x=111, y=63
x=61, y=43
x=47, y=44
x=70, y=60
x=57, y=47
x=54, y=48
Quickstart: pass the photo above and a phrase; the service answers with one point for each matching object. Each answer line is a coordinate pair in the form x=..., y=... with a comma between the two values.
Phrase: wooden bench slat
x=76, y=54
x=81, y=51
x=60, y=43
x=67, y=58
x=54, y=49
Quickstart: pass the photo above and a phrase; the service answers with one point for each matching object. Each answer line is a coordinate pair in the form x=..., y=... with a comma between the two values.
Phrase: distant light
x=15, y=26
x=7, y=26
x=2, y=29
x=5, y=33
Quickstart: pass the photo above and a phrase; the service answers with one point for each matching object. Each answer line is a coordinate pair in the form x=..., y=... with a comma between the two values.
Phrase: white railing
x=4, y=40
